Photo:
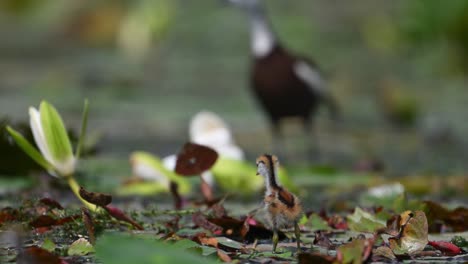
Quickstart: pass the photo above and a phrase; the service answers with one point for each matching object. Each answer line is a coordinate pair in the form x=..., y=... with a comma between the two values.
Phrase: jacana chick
x=283, y=208
x=284, y=84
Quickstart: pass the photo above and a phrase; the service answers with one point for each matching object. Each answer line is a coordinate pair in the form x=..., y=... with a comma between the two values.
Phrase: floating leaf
x=185, y=244
x=413, y=236
x=194, y=159
x=363, y=221
x=96, y=198
x=352, y=252
x=315, y=222
x=229, y=243
x=48, y=245
x=123, y=249
x=80, y=247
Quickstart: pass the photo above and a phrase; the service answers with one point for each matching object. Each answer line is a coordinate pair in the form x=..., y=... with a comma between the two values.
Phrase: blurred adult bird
x=284, y=84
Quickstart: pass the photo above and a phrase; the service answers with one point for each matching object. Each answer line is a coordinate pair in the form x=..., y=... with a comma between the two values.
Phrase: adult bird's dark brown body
x=284, y=84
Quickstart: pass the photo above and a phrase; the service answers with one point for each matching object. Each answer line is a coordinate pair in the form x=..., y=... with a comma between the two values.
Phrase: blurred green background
x=398, y=69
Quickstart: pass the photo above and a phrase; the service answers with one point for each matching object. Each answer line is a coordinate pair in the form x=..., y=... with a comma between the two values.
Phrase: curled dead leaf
x=89, y=224
x=99, y=199
x=413, y=236
x=200, y=220
x=120, y=215
x=51, y=203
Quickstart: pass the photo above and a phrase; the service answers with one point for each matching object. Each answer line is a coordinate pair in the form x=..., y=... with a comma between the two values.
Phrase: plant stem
x=75, y=187
x=84, y=125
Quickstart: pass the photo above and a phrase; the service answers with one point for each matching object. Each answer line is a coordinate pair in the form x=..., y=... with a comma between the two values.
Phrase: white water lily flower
x=387, y=190
x=208, y=129
x=62, y=161
x=55, y=151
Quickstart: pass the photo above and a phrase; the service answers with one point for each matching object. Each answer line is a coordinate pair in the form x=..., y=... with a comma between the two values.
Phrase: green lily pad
x=363, y=221
x=121, y=249
x=80, y=247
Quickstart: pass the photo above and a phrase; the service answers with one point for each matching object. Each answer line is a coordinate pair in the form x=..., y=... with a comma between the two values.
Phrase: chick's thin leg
x=275, y=239
x=297, y=232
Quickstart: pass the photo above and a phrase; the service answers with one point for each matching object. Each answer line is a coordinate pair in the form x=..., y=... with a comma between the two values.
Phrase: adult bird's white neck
x=262, y=38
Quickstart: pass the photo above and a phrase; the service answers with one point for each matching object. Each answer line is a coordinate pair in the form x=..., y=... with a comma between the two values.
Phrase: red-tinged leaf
x=89, y=224
x=8, y=214
x=307, y=258
x=200, y=220
x=43, y=221
x=99, y=199
x=223, y=256
x=38, y=255
x=194, y=159
x=173, y=186
x=48, y=221
x=51, y=203
x=120, y=215
x=447, y=248
x=337, y=222
x=67, y=219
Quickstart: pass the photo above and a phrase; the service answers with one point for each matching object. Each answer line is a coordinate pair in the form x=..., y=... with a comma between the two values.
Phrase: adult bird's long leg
x=313, y=144
x=278, y=140
x=297, y=232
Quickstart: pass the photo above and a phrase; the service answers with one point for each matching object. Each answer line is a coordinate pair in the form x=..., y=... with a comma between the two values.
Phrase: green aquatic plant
x=55, y=152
